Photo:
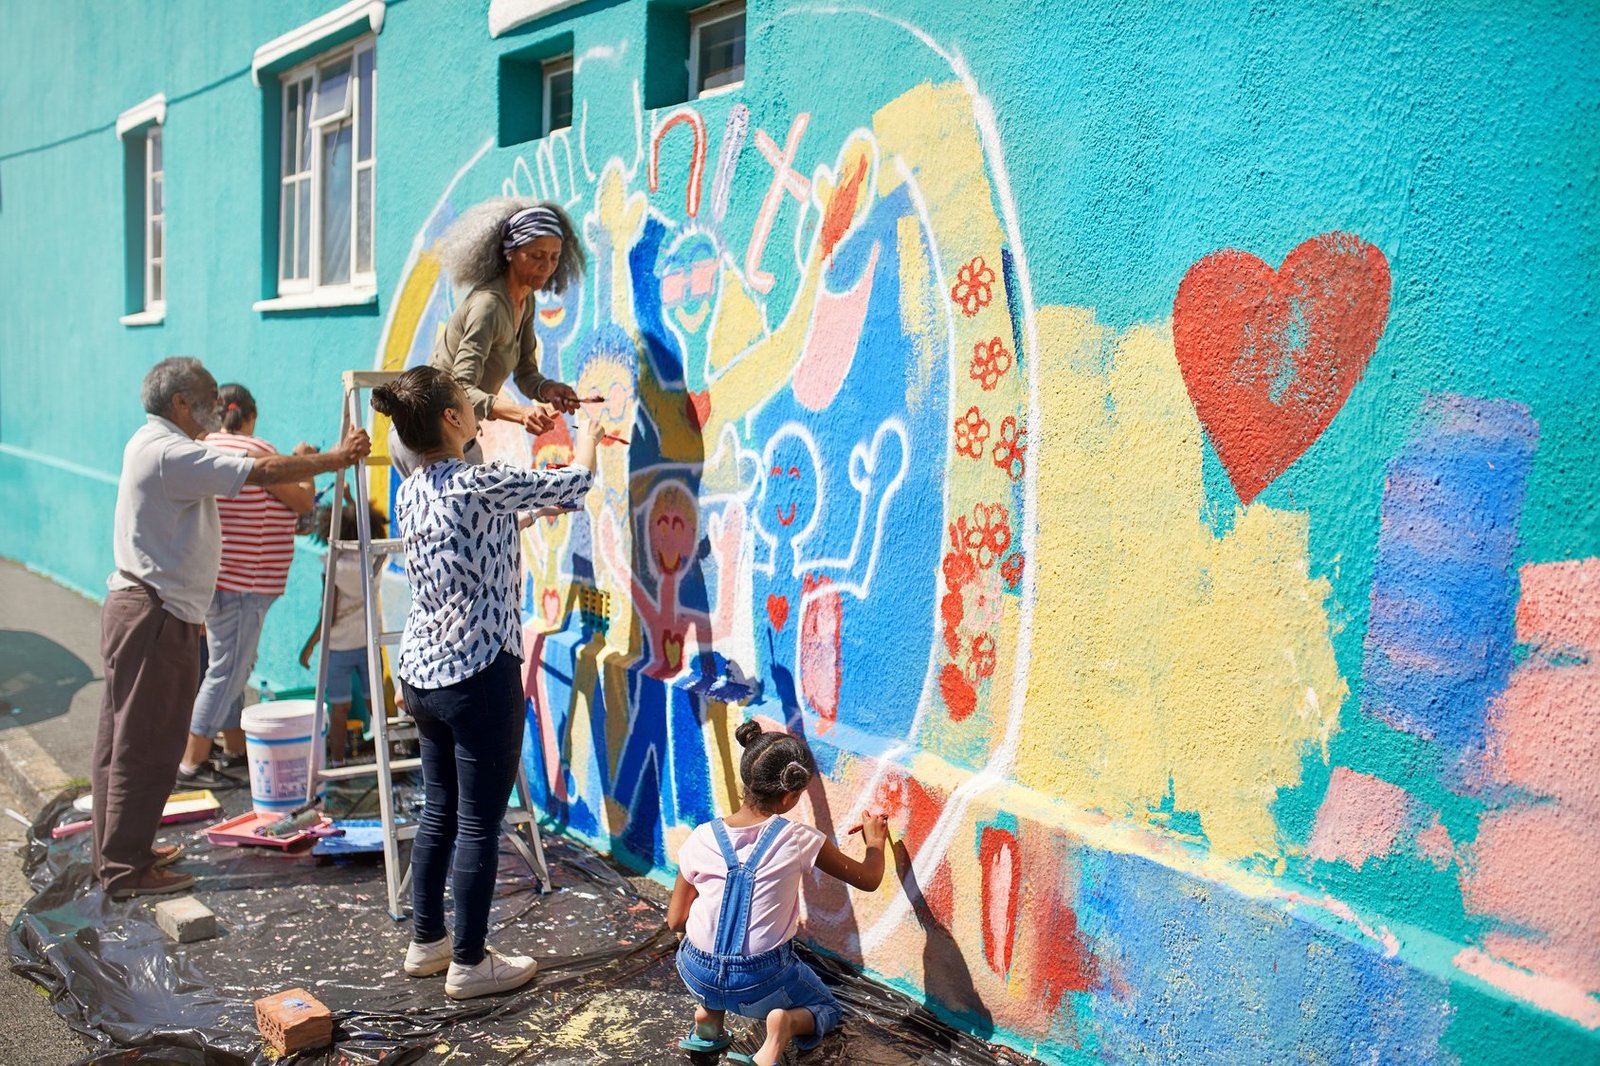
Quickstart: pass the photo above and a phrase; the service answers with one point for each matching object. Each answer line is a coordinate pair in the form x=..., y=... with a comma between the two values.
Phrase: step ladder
x=521, y=825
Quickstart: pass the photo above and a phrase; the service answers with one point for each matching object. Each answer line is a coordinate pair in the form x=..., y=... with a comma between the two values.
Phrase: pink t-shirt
x=775, y=898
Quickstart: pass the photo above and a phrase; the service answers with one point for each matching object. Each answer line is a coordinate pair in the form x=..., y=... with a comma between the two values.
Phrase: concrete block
x=186, y=919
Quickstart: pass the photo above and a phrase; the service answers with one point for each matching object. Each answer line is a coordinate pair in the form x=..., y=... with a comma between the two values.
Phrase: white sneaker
x=496, y=973
x=425, y=960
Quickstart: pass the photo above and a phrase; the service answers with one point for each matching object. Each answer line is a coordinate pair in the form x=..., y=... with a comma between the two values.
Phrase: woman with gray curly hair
x=503, y=251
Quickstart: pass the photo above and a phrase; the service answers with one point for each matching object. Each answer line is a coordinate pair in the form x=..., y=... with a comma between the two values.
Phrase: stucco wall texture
x=1147, y=451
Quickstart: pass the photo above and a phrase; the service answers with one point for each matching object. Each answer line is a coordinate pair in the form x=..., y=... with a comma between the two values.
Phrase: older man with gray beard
x=167, y=548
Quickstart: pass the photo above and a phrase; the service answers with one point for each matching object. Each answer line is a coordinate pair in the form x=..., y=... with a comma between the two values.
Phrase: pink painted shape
x=1533, y=868
x=835, y=335
x=1360, y=818
x=533, y=689
x=1560, y=606
x=1533, y=865
x=1544, y=734
x=1435, y=844
x=1555, y=996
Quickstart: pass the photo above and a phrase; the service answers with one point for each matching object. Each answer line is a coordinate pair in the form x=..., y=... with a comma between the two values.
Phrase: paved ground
x=50, y=678
x=32, y=1034
x=50, y=689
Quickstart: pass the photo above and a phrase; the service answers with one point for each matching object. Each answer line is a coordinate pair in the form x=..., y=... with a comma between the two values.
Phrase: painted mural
x=866, y=489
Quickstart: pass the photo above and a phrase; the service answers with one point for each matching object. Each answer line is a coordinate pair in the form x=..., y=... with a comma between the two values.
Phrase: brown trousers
x=152, y=670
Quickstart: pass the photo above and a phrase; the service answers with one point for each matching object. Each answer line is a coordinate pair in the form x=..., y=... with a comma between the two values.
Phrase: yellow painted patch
x=1164, y=653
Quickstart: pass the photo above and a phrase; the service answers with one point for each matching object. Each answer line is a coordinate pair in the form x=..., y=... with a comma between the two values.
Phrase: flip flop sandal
x=741, y=1057
x=696, y=1043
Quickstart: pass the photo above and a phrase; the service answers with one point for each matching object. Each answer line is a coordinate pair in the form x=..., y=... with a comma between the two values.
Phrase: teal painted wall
x=1257, y=739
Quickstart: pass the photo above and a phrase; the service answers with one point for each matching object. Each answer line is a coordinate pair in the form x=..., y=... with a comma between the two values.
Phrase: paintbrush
x=614, y=439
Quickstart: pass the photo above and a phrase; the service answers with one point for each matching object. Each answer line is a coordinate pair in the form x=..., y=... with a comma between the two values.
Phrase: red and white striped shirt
x=257, y=529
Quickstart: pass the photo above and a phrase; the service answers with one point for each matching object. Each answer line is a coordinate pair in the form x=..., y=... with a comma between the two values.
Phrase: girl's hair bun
x=794, y=777
x=384, y=400
x=748, y=731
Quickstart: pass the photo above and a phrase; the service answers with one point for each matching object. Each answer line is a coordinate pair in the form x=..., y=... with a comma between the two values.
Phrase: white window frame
x=552, y=69
x=153, y=221
x=307, y=78
x=699, y=20
x=146, y=120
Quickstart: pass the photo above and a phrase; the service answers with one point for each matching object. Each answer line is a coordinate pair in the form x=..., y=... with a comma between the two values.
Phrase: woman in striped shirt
x=257, y=547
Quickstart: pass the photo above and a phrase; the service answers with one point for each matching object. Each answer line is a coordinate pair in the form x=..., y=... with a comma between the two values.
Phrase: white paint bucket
x=277, y=741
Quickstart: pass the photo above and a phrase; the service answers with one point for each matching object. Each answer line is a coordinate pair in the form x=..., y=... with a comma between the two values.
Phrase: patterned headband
x=527, y=224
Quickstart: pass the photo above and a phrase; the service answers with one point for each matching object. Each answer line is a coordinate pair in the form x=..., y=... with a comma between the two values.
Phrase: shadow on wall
x=38, y=678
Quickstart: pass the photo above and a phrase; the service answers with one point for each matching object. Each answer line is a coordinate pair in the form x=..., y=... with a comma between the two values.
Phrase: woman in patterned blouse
x=460, y=663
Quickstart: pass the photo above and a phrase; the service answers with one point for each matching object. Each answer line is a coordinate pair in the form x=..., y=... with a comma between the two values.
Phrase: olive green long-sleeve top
x=482, y=345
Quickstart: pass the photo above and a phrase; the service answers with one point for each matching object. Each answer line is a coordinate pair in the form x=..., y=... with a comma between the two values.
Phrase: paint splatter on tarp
x=607, y=990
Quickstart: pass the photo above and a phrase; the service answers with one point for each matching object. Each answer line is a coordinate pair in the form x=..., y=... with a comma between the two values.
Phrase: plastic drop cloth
x=607, y=991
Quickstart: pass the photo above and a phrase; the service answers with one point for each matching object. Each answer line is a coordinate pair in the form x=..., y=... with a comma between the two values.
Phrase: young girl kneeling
x=737, y=902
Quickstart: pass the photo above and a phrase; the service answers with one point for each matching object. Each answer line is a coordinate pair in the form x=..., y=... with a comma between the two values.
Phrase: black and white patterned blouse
x=459, y=524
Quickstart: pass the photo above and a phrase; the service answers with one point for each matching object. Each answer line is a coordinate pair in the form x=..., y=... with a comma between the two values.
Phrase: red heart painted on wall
x=697, y=408
x=778, y=611
x=1270, y=356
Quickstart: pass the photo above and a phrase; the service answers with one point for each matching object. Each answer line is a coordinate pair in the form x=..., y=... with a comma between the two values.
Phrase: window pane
x=156, y=232
x=333, y=91
x=559, y=86
x=155, y=149
x=722, y=52
x=291, y=129
x=364, y=70
x=157, y=291
x=302, y=246
x=335, y=204
x=364, y=221
x=286, y=220
x=156, y=184
x=303, y=132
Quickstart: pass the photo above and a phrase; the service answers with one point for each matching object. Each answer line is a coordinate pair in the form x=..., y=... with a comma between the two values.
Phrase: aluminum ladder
x=521, y=825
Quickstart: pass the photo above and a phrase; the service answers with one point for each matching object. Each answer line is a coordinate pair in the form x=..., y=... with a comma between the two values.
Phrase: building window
x=326, y=201
x=557, y=94
x=716, y=48
x=155, y=225
x=144, y=212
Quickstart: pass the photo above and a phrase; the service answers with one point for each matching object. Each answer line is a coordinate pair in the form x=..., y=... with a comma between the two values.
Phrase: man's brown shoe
x=153, y=883
x=166, y=854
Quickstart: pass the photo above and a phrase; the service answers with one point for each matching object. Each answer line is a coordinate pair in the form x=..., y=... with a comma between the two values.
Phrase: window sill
x=339, y=296
x=720, y=90
x=144, y=318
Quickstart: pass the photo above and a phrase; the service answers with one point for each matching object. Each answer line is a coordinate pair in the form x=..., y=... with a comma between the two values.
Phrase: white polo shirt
x=167, y=534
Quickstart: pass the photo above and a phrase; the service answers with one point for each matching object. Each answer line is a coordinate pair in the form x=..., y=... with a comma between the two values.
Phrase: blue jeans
x=233, y=630
x=471, y=736
x=752, y=985
x=347, y=675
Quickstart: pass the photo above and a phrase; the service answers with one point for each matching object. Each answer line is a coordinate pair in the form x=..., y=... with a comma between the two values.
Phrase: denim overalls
x=751, y=985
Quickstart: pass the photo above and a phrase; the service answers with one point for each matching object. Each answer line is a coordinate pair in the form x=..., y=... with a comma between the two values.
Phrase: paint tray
x=241, y=829
x=181, y=806
x=359, y=836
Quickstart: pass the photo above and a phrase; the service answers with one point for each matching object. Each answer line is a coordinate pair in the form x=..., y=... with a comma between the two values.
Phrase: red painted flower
x=990, y=361
x=1011, y=569
x=958, y=565
x=988, y=535
x=972, y=430
x=974, y=287
x=1010, y=449
x=980, y=664
x=957, y=691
